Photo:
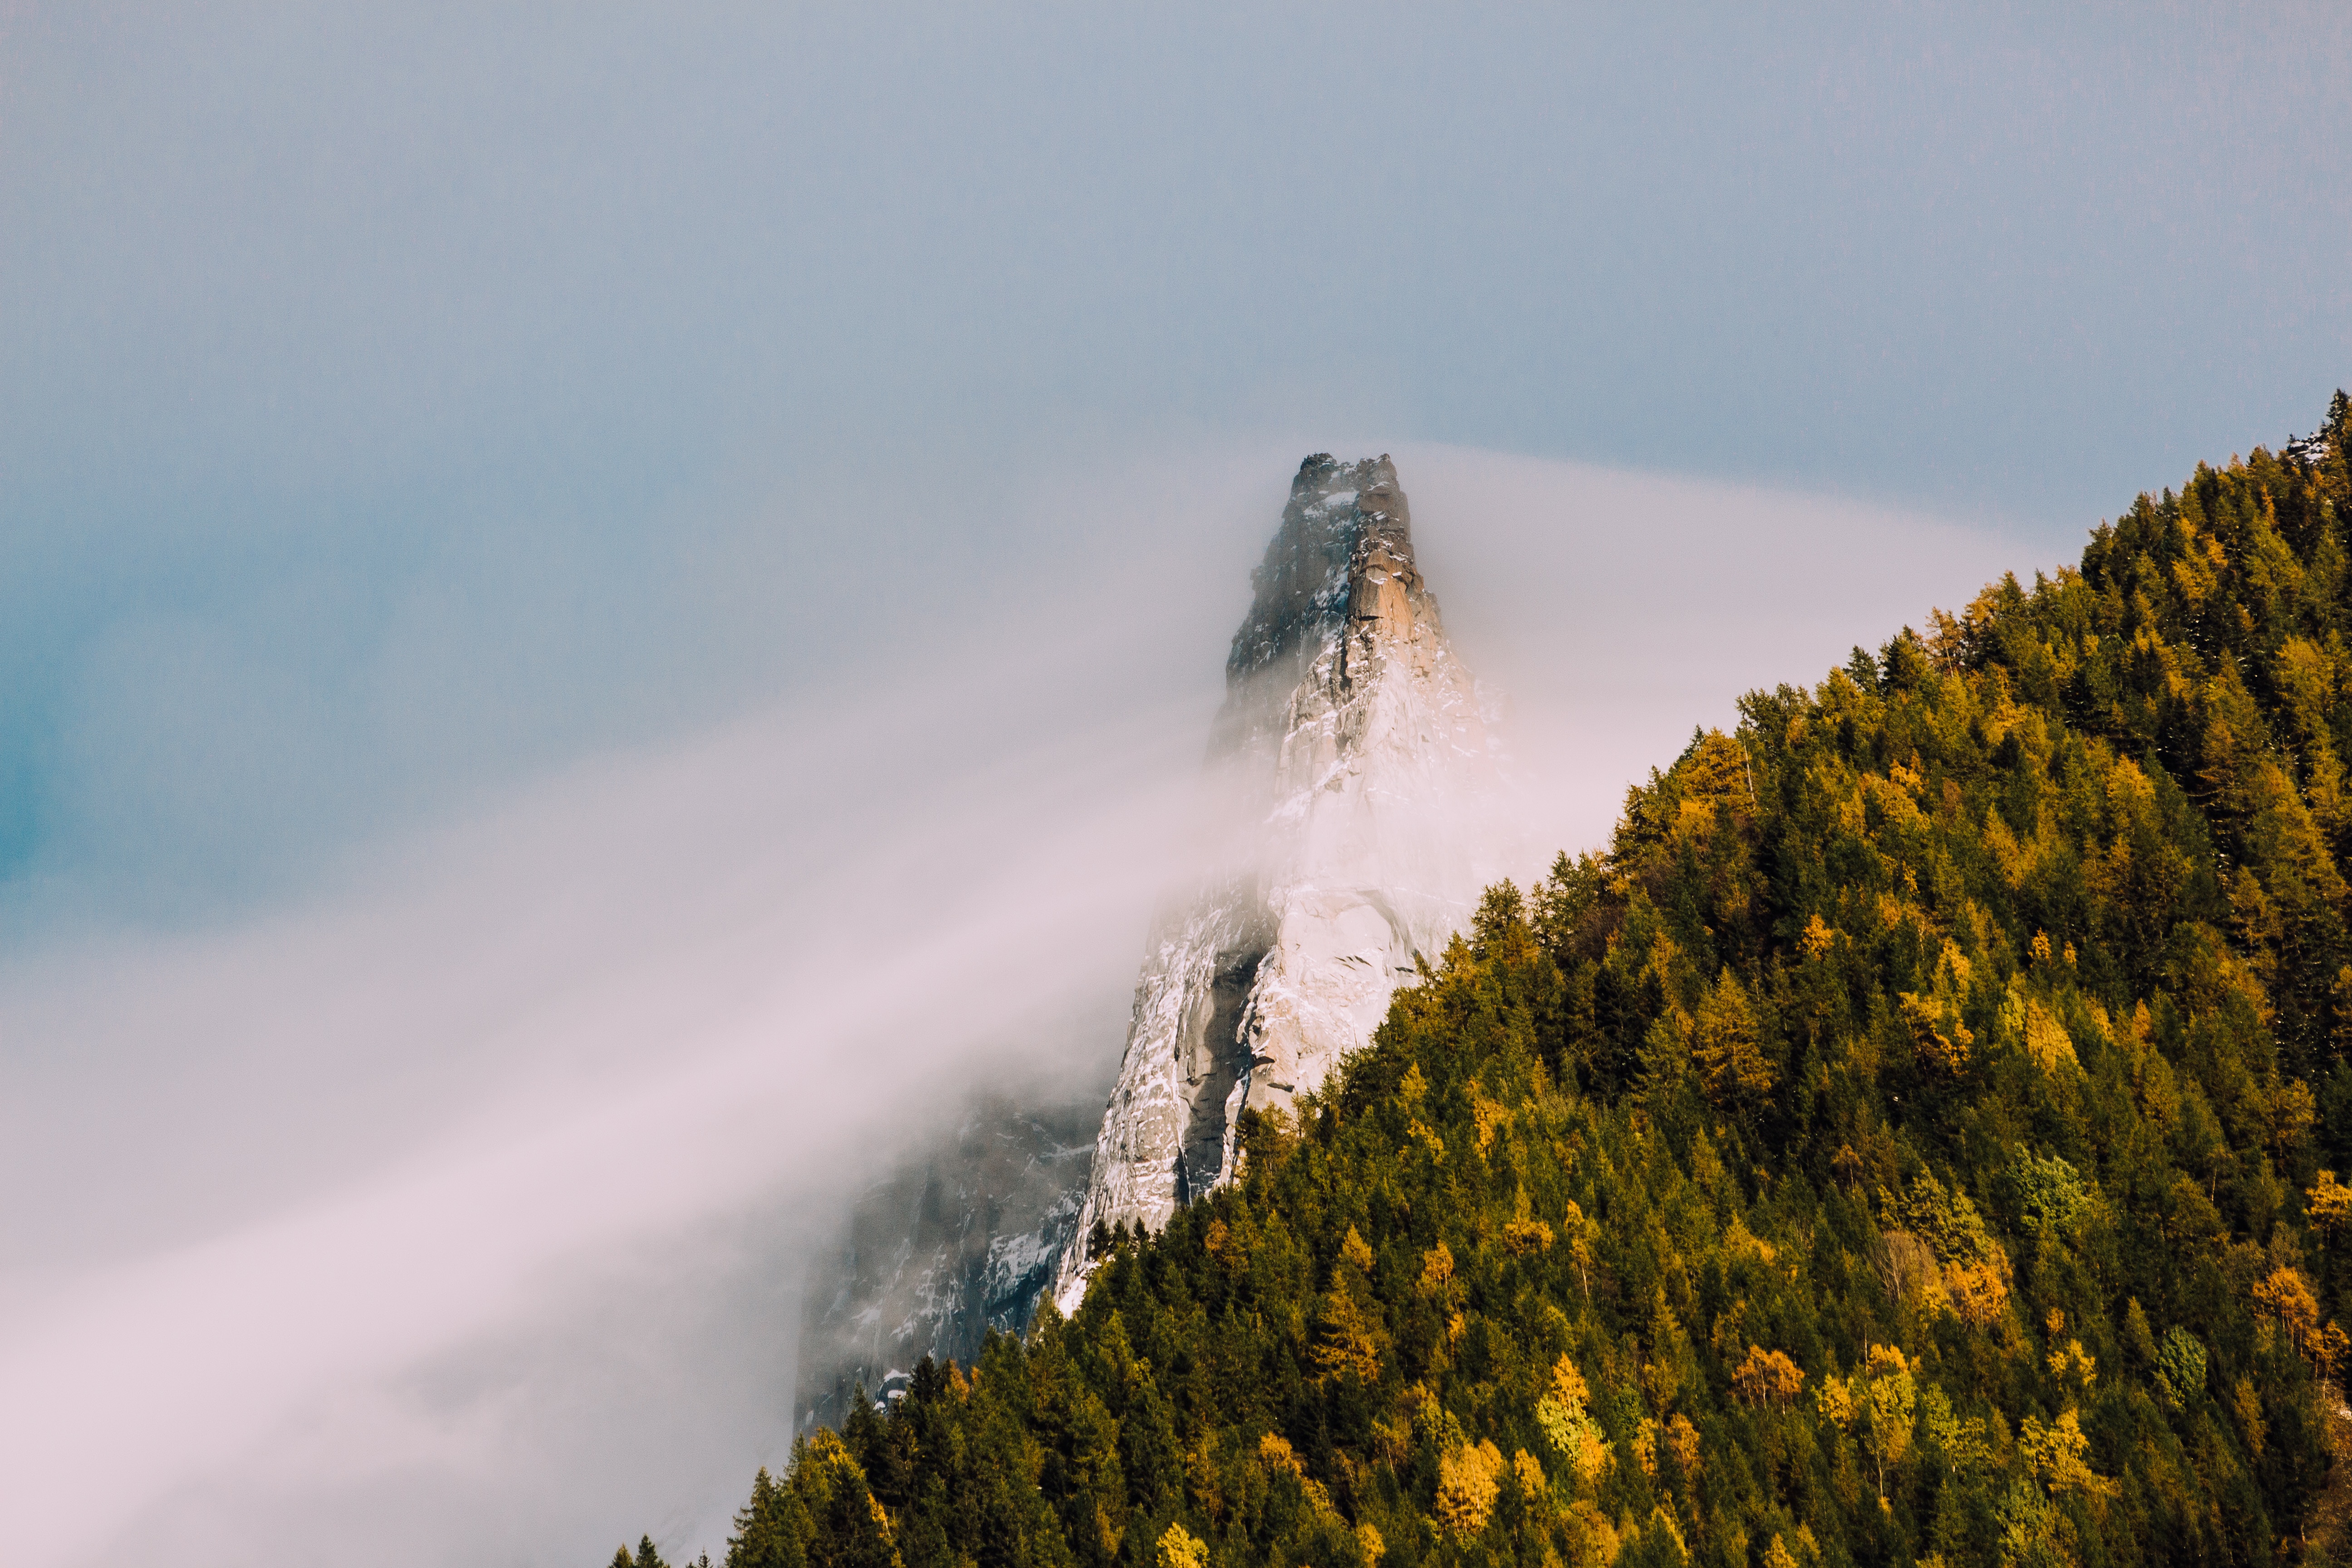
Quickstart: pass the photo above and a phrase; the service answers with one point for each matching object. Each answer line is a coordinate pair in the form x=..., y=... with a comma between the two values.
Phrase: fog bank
x=458, y=1208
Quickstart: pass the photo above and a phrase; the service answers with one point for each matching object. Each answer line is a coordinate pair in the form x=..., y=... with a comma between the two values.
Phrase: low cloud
x=1617, y=610
x=460, y=1208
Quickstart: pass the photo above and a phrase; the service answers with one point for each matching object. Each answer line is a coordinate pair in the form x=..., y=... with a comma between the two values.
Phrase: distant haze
x=466, y=1197
x=603, y=610
x=401, y=398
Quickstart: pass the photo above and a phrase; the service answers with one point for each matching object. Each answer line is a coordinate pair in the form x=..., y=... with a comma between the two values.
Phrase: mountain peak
x=1351, y=741
x=1342, y=553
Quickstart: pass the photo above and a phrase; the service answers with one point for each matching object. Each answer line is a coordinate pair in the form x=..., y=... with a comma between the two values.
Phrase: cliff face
x=1351, y=772
x=961, y=1240
x=1347, y=785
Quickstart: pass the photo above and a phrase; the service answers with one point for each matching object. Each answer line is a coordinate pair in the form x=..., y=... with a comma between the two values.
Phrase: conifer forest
x=1922, y=1136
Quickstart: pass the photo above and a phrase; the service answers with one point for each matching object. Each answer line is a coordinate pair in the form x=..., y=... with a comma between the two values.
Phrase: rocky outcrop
x=1347, y=793
x=959, y=1239
x=1350, y=779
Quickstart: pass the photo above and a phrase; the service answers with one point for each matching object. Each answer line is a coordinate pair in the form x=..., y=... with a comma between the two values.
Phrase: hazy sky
x=599, y=606
x=407, y=394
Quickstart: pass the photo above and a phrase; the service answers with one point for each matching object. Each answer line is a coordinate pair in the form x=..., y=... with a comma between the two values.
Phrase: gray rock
x=1354, y=784
x=1349, y=793
x=961, y=1240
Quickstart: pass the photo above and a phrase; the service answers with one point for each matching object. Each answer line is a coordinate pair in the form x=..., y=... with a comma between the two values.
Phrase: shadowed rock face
x=1343, y=554
x=958, y=1240
x=1351, y=774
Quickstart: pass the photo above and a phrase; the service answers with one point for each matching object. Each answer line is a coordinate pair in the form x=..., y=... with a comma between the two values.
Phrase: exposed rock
x=1353, y=769
x=961, y=1239
x=1348, y=781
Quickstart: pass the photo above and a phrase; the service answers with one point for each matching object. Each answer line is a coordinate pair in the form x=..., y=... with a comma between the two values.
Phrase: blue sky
x=602, y=607
x=402, y=398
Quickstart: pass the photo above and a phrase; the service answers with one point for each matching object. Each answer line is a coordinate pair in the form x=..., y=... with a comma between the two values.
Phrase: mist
x=401, y=401
x=604, y=614
x=463, y=1206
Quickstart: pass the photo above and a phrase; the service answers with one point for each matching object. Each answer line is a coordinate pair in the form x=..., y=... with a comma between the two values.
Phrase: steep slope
x=1918, y=1139
x=1345, y=811
x=1351, y=775
x=961, y=1238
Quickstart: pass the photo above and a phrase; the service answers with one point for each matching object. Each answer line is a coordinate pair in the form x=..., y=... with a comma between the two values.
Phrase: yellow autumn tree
x=1530, y=1471
x=1977, y=1291
x=1888, y=1398
x=2328, y=1206
x=1583, y=1238
x=1727, y=1042
x=2060, y=1455
x=1468, y=1480
x=1682, y=1440
x=1345, y=1341
x=1179, y=1548
x=2286, y=1294
x=1934, y=1016
x=1768, y=1377
x=1561, y=1413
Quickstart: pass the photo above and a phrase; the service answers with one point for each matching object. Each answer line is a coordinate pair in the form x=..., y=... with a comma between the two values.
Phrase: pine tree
x=1936, y=1092
x=1727, y=1042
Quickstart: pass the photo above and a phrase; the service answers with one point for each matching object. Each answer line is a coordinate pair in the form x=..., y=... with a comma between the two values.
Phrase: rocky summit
x=1351, y=776
x=1346, y=797
x=1917, y=1136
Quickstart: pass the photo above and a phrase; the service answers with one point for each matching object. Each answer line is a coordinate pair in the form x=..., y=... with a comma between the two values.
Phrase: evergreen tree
x=1920, y=1136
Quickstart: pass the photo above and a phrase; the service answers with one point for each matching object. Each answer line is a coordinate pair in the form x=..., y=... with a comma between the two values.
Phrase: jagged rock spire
x=1352, y=768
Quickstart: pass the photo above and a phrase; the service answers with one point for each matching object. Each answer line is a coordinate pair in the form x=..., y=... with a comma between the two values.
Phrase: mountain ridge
x=1916, y=1138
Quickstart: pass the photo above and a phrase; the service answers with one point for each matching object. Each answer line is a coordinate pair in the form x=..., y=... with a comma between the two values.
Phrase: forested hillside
x=1916, y=1139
